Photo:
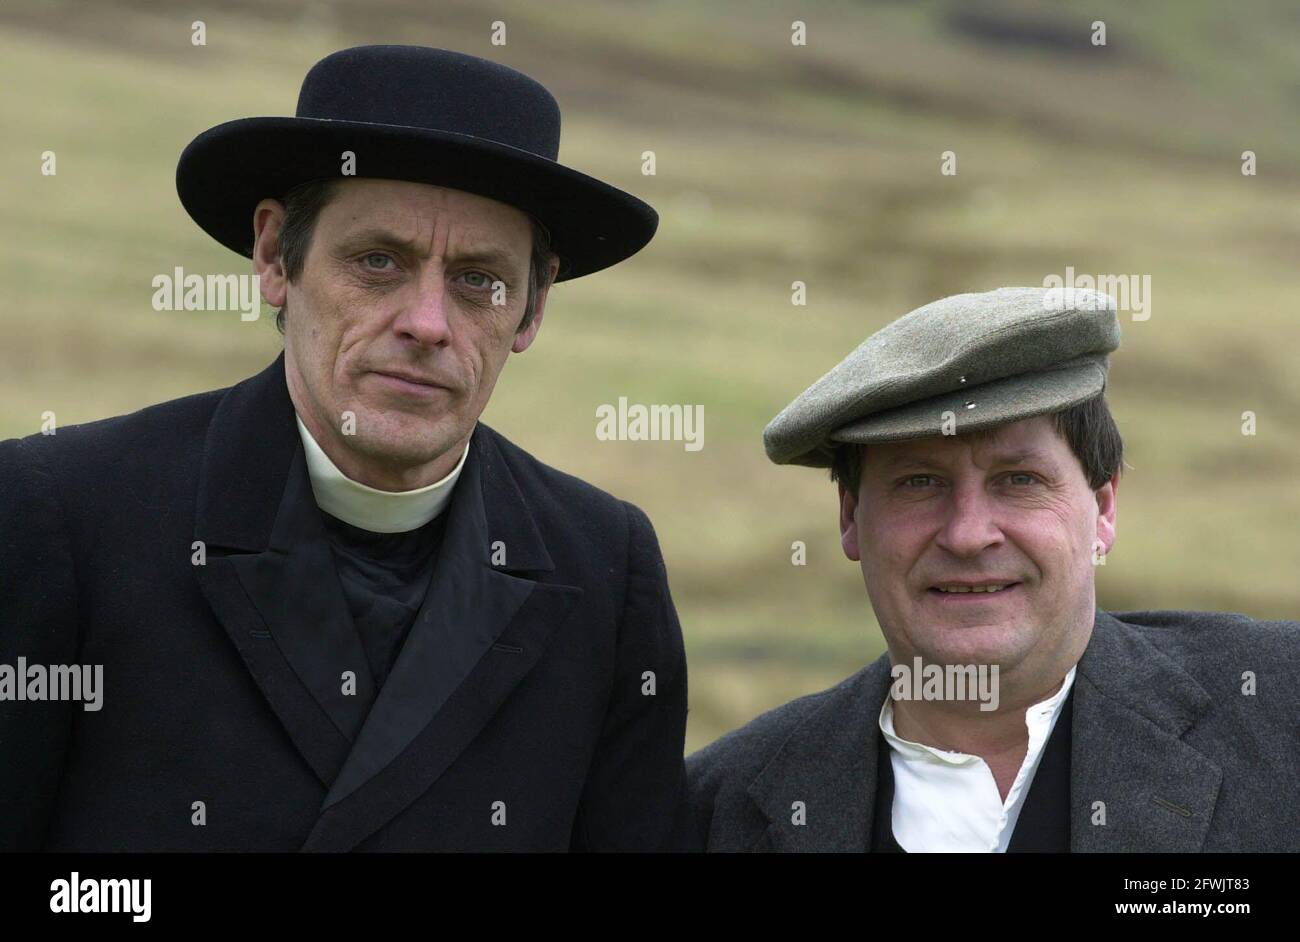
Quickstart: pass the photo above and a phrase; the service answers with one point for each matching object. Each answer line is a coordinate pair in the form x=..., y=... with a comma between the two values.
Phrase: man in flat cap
x=333, y=610
x=977, y=465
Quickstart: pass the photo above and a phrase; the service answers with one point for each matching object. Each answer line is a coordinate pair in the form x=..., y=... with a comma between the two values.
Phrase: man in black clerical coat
x=331, y=609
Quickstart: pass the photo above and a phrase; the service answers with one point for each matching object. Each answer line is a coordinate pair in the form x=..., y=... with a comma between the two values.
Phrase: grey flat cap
x=989, y=359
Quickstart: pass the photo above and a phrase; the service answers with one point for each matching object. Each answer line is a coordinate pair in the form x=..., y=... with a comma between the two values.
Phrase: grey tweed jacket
x=1180, y=758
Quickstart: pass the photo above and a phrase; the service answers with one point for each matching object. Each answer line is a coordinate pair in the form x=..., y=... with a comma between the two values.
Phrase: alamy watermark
x=954, y=682
x=653, y=423
x=78, y=895
x=76, y=682
x=181, y=292
x=1131, y=293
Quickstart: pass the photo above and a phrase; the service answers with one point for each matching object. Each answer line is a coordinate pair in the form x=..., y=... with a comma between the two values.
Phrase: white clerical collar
x=369, y=508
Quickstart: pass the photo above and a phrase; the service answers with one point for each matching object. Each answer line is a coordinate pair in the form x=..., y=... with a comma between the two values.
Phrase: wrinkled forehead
x=421, y=212
x=1029, y=440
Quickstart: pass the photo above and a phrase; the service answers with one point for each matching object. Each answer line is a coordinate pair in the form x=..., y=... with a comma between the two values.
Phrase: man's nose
x=970, y=524
x=425, y=318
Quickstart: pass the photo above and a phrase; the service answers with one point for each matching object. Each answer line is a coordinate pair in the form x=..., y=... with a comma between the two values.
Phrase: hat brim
x=999, y=402
x=227, y=170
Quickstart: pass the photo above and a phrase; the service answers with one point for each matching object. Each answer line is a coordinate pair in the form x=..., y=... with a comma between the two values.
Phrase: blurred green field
x=774, y=164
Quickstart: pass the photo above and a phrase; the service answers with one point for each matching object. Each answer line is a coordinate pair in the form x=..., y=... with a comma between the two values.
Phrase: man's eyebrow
x=909, y=460
x=486, y=255
x=1014, y=456
x=1025, y=456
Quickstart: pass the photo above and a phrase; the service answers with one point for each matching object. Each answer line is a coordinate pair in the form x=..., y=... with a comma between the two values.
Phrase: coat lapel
x=477, y=635
x=295, y=587
x=829, y=764
x=1132, y=705
x=254, y=583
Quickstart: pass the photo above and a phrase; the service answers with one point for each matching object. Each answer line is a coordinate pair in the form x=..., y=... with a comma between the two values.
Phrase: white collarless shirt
x=949, y=801
x=367, y=507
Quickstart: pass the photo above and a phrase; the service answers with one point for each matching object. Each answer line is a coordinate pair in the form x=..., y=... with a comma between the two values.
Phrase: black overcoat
x=538, y=703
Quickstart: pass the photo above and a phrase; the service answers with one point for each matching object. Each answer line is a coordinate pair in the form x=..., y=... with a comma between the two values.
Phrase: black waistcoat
x=1044, y=822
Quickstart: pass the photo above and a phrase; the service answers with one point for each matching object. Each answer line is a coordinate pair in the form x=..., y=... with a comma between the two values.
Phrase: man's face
x=1013, y=508
x=399, y=281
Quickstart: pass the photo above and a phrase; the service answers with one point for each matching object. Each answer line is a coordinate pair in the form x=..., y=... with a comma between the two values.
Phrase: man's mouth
x=971, y=591
x=409, y=377
x=409, y=383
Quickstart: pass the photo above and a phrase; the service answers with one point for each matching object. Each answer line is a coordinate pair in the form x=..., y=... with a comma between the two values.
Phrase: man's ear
x=268, y=217
x=524, y=338
x=848, y=523
x=1107, y=511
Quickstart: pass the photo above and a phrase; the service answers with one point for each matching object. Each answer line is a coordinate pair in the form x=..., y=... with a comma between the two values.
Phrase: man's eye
x=911, y=480
x=477, y=279
x=369, y=259
x=1023, y=474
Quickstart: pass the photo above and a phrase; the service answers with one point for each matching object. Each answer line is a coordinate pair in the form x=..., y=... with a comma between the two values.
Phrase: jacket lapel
x=251, y=463
x=295, y=587
x=1132, y=705
x=829, y=764
x=478, y=633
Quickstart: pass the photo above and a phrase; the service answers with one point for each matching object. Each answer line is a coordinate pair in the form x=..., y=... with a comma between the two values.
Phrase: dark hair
x=303, y=204
x=1088, y=428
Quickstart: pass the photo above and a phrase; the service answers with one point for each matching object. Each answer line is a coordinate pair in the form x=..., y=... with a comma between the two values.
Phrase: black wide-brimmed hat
x=423, y=115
